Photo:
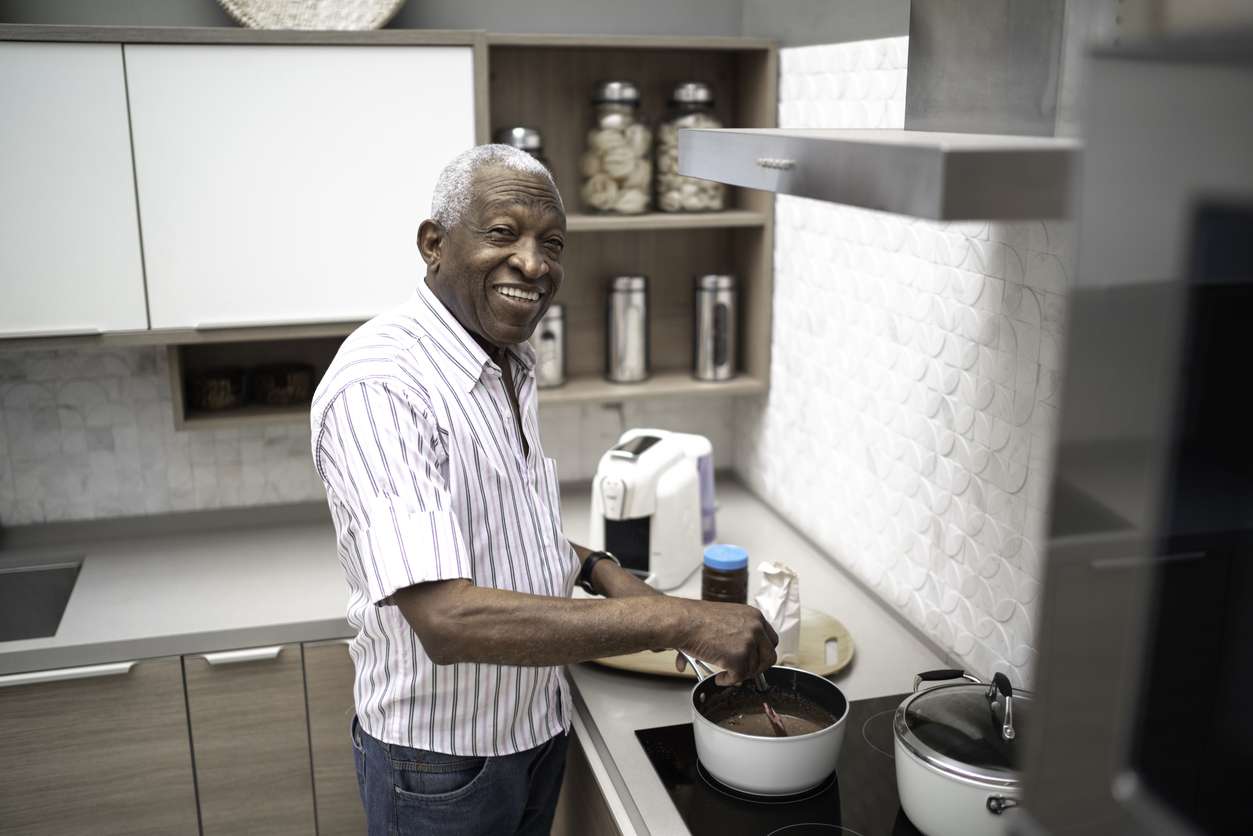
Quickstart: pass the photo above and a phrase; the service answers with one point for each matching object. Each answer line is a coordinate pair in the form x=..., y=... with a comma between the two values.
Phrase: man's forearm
x=459, y=622
x=612, y=580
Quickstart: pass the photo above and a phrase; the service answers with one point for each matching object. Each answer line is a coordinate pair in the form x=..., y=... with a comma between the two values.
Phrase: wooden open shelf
x=595, y=389
x=731, y=218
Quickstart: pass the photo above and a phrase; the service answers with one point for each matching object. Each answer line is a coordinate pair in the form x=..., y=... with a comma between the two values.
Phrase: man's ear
x=431, y=238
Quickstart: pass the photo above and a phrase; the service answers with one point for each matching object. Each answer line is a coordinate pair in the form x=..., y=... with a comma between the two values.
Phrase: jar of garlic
x=616, y=168
x=691, y=106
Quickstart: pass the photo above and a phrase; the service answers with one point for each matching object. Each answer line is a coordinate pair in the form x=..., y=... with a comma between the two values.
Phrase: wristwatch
x=585, y=574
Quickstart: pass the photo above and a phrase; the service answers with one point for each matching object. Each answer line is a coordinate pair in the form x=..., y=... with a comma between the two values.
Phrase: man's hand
x=735, y=637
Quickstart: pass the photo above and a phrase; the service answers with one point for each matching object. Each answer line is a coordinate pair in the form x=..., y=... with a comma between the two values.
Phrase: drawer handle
x=776, y=163
x=66, y=674
x=235, y=657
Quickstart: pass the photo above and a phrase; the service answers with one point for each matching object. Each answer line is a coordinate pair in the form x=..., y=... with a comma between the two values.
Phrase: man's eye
x=556, y=244
x=501, y=230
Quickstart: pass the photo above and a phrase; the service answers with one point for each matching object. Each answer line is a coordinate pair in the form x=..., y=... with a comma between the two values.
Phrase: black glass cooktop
x=858, y=800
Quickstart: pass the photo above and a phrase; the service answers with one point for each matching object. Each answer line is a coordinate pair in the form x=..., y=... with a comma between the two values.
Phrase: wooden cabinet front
x=99, y=750
x=329, y=684
x=250, y=737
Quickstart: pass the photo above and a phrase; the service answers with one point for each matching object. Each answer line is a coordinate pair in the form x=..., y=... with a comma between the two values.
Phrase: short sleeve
x=379, y=454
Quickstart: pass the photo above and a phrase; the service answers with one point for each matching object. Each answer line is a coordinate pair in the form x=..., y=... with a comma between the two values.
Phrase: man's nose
x=529, y=260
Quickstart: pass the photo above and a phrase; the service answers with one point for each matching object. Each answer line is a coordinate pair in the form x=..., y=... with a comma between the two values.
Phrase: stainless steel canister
x=626, y=332
x=714, y=332
x=549, y=342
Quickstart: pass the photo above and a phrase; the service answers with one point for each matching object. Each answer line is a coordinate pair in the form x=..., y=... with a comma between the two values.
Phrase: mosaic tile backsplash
x=89, y=433
x=914, y=380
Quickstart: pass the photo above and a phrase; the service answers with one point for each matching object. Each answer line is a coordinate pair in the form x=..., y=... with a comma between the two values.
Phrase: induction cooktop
x=859, y=799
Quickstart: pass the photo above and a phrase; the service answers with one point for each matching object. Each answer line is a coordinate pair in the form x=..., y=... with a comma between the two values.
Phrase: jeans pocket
x=430, y=777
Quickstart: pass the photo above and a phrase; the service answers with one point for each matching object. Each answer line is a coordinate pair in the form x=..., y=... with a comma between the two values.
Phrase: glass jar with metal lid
x=524, y=139
x=691, y=106
x=616, y=168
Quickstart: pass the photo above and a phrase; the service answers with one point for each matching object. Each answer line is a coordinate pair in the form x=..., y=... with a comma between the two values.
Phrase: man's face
x=498, y=269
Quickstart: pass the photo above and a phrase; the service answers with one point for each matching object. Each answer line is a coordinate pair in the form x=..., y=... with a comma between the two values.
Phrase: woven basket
x=312, y=14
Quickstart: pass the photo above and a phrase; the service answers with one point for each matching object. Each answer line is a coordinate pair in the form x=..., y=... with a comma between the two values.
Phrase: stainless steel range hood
x=978, y=143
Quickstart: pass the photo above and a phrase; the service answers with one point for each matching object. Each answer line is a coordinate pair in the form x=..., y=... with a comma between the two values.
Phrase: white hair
x=456, y=182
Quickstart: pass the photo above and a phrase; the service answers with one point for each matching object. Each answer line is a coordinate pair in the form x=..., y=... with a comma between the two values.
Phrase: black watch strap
x=589, y=565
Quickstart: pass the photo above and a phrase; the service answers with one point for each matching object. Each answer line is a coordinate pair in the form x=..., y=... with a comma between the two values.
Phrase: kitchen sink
x=33, y=599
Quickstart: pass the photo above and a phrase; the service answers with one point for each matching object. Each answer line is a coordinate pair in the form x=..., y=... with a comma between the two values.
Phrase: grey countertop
x=234, y=586
x=195, y=592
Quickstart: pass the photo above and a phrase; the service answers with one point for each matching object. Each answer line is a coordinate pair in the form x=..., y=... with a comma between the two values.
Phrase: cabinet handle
x=66, y=674
x=235, y=657
x=776, y=163
x=52, y=333
x=275, y=323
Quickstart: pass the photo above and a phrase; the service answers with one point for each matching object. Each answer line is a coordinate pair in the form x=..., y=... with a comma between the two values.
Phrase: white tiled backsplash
x=89, y=433
x=914, y=377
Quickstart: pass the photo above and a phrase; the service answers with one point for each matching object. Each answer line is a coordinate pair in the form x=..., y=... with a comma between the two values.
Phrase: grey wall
x=639, y=17
x=804, y=22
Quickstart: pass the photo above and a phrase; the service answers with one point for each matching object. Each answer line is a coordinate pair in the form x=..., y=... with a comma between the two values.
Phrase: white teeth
x=517, y=293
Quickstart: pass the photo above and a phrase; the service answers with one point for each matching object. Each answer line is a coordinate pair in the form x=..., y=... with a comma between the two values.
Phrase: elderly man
x=448, y=525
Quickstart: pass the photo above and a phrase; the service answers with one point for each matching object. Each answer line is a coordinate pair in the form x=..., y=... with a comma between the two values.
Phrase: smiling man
x=448, y=526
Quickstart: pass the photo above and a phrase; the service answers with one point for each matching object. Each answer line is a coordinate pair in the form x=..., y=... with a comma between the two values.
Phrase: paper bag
x=779, y=599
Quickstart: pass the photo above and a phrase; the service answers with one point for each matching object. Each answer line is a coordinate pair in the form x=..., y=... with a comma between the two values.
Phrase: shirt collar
x=458, y=346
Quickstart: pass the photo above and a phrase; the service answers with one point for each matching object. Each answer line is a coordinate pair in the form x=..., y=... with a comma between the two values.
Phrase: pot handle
x=1000, y=683
x=998, y=804
x=698, y=667
x=941, y=675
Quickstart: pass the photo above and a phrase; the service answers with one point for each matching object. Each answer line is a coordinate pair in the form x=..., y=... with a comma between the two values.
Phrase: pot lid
x=960, y=729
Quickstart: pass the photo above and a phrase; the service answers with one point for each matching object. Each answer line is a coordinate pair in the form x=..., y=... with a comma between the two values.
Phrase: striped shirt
x=427, y=480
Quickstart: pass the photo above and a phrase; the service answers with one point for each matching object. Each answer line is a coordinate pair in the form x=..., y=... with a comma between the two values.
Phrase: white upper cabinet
x=69, y=237
x=285, y=184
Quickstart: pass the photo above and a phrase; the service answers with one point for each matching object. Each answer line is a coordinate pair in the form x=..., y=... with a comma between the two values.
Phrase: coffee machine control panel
x=613, y=494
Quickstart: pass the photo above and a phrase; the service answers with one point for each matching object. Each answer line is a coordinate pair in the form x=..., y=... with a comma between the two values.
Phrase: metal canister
x=626, y=331
x=524, y=139
x=714, y=332
x=549, y=341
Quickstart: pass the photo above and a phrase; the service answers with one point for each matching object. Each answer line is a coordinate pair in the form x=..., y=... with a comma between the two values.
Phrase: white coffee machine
x=646, y=504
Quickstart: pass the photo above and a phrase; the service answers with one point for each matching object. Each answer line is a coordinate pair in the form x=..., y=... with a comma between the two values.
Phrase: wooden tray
x=817, y=628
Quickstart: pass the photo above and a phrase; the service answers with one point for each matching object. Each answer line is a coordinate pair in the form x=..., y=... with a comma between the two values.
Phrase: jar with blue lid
x=724, y=576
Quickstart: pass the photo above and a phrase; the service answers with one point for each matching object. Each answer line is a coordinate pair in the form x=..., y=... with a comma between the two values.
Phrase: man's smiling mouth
x=519, y=293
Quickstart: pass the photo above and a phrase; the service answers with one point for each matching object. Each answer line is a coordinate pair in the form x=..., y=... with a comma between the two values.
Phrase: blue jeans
x=412, y=791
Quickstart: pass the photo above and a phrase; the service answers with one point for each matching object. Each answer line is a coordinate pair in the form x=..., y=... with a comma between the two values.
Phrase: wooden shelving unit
x=546, y=82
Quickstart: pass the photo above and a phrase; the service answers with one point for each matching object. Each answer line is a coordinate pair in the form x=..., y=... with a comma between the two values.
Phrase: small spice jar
x=524, y=139
x=724, y=576
x=691, y=106
x=616, y=168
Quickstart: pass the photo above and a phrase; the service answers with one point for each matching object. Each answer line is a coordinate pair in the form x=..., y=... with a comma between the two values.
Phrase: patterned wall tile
x=914, y=379
x=89, y=433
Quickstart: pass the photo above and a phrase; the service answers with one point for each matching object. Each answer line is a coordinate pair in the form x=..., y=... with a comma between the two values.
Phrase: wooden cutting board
x=817, y=628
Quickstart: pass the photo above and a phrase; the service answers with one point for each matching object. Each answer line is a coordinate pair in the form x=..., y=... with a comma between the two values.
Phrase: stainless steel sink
x=33, y=599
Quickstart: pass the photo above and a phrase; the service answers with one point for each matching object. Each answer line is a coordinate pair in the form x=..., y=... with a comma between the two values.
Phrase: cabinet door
x=69, y=234
x=99, y=750
x=285, y=184
x=251, y=741
x=329, y=685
